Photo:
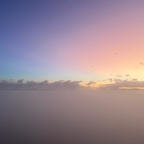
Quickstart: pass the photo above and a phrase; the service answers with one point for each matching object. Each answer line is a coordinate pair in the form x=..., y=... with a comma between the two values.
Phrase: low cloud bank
x=124, y=85
x=33, y=85
x=116, y=84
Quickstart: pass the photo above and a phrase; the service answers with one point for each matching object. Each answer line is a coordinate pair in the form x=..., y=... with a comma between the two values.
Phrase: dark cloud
x=91, y=83
x=33, y=85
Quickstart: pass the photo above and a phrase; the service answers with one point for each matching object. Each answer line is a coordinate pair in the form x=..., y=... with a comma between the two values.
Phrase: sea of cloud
x=70, y=115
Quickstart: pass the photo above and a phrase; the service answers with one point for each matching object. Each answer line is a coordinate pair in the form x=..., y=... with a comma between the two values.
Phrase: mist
x=73, y=116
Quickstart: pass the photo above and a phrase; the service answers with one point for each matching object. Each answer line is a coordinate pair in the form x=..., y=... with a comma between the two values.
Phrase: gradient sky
x=71, y=39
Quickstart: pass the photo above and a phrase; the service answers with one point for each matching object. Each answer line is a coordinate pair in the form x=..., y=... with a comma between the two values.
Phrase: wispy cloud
x=133, y=84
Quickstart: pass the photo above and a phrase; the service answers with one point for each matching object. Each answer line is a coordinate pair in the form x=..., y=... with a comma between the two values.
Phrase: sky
x=88, y=40
x=72, y=71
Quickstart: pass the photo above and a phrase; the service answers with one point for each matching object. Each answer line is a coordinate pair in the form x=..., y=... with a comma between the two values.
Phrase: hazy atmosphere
x=72, y=117
x=71, y=71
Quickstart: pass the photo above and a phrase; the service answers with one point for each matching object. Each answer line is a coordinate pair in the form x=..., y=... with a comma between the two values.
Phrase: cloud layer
x=133, y=84
x=115, y=84
x=33, y=85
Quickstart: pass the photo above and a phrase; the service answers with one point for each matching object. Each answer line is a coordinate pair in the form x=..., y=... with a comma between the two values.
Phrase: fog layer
x=72, y=117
